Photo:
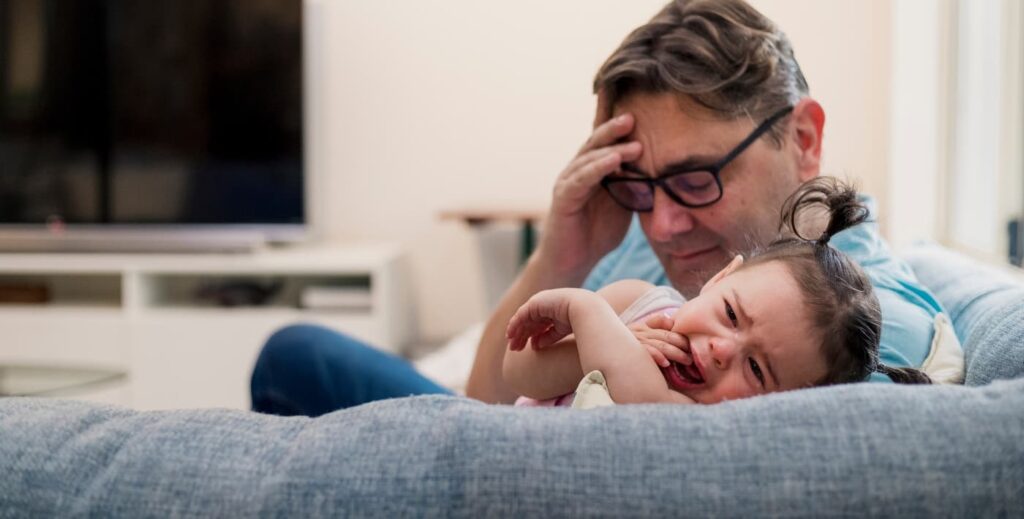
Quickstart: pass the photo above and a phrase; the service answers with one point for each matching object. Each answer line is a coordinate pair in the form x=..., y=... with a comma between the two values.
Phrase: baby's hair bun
x=838, y=198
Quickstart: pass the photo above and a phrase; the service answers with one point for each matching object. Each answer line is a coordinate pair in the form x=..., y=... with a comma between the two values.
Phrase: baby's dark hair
x=842, y=304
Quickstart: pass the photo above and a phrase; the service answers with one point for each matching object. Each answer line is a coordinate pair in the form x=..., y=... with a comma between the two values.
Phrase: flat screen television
x=166, y=120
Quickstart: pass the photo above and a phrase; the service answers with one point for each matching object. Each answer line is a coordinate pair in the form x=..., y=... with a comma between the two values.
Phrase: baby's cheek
x=734, y=387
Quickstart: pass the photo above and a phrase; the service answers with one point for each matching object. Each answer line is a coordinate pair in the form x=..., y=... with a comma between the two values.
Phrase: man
x=705, y=123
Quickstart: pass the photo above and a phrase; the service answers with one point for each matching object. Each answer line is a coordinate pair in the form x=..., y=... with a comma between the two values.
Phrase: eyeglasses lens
x=695, y=188
x=636, y=195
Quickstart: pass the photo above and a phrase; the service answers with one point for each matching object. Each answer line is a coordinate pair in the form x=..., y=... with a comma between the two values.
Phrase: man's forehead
x=669, y=104
x=673, y=134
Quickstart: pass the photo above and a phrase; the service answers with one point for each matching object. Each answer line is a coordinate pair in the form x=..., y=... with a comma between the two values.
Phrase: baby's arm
x=554, y=371
x=603, y=342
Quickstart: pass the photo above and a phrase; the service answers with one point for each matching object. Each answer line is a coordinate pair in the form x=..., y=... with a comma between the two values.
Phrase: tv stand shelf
x=187, y=328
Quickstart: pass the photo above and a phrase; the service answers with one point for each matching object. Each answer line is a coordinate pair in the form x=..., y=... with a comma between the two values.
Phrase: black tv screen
x=151, y=112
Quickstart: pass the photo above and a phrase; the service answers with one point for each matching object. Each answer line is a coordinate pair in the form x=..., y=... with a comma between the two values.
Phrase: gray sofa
x=863, y=449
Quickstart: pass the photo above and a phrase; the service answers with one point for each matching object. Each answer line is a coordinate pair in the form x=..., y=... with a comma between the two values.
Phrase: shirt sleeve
x=632, y=259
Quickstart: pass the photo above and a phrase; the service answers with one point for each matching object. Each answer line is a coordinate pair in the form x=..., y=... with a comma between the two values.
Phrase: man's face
x=693, y=244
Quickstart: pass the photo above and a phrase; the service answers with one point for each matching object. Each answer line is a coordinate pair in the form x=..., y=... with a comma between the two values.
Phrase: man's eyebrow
x=630, y=167
x=688, y=164
x=750, y=322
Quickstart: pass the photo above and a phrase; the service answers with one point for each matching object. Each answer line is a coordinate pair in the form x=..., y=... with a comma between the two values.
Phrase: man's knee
x=286, y=369
x=304, y=346
x=292, y=344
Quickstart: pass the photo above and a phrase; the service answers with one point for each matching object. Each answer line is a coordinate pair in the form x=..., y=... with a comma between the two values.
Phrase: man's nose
x=668, y=218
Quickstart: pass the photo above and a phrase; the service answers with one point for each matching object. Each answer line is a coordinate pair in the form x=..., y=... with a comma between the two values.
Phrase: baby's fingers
x=659, y=322
x=520, y=328
x=516, y=339
x=676, y=354
x=550, y=335
x=657, y=356
x=666, y=336
x=667, y=353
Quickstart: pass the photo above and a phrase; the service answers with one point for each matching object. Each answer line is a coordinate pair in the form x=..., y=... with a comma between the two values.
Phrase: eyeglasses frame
x=715, y=169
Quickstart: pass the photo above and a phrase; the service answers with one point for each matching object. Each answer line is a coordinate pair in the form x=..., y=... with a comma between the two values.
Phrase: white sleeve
x=655, y=299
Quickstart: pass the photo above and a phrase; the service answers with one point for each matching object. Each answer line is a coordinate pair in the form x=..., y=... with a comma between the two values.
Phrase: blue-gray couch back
x=865, y=449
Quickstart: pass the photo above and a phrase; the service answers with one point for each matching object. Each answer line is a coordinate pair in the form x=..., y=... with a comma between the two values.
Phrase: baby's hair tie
x=824, y=239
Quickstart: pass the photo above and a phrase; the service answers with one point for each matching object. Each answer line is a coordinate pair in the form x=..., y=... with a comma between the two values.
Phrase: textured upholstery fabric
x=986, y=306
x=857, y=450
x=866, y=450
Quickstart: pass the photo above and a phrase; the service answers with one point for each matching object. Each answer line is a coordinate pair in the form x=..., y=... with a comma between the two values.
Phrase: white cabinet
x=162, y=318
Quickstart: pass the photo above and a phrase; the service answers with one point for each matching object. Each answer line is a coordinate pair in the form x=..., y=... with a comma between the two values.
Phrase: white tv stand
x=140, y=313
x=115, y=240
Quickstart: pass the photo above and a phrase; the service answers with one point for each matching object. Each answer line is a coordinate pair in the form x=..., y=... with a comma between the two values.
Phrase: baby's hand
x=656, y=335
x=543, y=319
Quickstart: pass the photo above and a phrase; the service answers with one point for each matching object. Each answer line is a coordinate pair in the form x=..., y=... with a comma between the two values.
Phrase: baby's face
x=749, y=333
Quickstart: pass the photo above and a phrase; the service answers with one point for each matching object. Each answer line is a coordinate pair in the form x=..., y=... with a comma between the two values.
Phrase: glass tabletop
x=37, y=380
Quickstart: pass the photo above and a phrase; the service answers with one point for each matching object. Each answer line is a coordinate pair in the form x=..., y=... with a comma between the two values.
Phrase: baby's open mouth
x=681, y=377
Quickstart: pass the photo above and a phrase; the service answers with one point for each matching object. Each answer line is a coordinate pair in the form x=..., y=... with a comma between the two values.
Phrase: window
x=957, y=126
x=985, y=179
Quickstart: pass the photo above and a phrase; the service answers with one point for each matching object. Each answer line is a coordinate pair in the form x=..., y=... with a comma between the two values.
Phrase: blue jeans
x=311, y=370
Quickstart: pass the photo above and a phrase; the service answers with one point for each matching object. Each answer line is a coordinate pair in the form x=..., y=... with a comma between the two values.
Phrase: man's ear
x=807, y=126
x=729, y=269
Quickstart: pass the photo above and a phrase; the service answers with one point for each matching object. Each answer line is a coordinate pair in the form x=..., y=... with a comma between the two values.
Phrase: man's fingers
x=604, y=108
x=586, y=171
x=626, y=151
x=609, y=132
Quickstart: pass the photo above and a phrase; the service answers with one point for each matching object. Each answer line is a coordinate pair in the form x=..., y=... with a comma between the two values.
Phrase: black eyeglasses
x=692, y=187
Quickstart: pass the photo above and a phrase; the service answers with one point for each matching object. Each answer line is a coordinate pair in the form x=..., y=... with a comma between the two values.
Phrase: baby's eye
x=756, y=368
x=731, y=314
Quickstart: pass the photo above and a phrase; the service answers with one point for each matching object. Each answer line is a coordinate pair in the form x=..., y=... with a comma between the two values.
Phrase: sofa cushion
x=986, y=305
x=857, y=450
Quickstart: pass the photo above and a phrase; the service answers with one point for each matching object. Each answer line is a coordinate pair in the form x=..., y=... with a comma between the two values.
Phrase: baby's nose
x=722, y=351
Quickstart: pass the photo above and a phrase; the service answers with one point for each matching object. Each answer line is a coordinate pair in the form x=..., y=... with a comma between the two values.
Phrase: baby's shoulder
x=621, y=294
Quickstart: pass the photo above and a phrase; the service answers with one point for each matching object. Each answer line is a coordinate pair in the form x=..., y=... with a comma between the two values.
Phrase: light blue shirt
x=908, y=309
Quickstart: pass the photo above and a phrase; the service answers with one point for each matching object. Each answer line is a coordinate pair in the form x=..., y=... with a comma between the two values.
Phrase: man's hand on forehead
x=604, y=108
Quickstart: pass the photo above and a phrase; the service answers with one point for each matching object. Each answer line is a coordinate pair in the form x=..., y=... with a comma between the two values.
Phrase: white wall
x=922, y=73
x=429, y=105
x=844, y=48
x=986, y=151
x=957, y=122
